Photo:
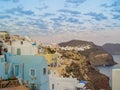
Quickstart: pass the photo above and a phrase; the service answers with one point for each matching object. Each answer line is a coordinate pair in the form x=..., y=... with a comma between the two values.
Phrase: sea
x=107, y=70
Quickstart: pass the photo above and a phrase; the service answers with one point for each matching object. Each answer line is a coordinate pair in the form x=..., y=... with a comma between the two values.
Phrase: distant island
x=113, y=49
x=96, y=54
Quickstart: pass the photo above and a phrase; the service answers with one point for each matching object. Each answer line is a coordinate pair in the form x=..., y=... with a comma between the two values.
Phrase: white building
x=116, y=79
x=54, y=73
x=60, y=83
x=22, y=48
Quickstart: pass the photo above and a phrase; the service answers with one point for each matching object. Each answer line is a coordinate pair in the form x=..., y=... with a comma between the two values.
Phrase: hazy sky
x=52, y=21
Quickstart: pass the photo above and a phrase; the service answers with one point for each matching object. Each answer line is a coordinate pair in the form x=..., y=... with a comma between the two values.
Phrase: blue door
x=16, y=70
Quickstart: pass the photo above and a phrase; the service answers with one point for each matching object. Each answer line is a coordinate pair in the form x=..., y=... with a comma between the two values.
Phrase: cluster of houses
x=81, y=48
x=21, y=58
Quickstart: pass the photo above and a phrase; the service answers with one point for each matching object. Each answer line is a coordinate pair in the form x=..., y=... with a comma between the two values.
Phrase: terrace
x=11, y=82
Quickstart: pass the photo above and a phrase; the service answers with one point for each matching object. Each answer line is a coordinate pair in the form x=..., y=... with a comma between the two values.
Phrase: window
x=18, y=51
x=21, y=42
x=44, y=71
x=49, y=72
x=54, y=72
x=52, y=86
x=33, y=72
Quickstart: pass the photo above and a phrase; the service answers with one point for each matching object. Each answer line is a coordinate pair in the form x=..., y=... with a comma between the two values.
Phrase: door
x=16, y=70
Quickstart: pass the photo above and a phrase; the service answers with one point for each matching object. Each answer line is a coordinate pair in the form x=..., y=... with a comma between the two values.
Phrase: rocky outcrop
x=96, y=54
x=81, y=69
x=113, y=49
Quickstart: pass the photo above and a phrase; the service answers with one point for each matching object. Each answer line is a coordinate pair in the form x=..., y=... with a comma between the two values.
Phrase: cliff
x=113, y=49
x=96, y=54
x=79, y=67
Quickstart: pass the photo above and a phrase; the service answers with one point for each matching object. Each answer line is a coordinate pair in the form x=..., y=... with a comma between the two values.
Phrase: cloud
x=15, y=1
x=112, y=26
x=67, y=16
x=43, y=4
x=105, y=5
x=31, y=24
x=5, y=0
x=114, y=6
x=115, y=3
x=69, y=12
x=57, y=22
x=59, y=19
x=21, y=23
x=19, y=10
x=40, y=24
x=116, y=10
x=42, y=7
x=75, y=1
x=72, y=20
x=65, y=21
x=47, y=15
x=96, y=16
x=117, y=17
x=5, y=17
x=2, y=25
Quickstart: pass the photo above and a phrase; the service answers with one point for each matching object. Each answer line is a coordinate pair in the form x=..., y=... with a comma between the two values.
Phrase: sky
x=54, y=21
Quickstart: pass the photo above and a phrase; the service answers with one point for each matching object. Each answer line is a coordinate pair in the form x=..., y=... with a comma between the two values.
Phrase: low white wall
x=62, y=83
x=116, y=79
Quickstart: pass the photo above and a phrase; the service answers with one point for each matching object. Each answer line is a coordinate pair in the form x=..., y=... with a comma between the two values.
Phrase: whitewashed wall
x=116, y=79
x=26, y=48
x=62, y=83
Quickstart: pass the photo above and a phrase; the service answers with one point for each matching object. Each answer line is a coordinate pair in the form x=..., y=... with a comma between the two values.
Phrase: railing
x=9, y=83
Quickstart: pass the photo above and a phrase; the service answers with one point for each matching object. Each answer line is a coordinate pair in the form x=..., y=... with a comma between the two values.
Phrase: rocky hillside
x=79, y=67
x=74, y=43
x=96, y=54
x=113, y=49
